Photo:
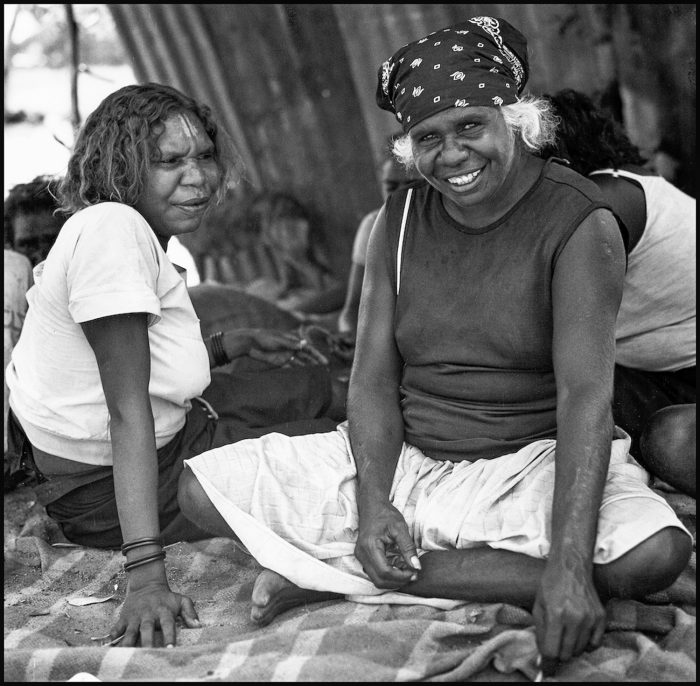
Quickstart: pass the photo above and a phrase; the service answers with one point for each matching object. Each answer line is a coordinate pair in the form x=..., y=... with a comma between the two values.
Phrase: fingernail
x=414, y=577
x=416, y=562
x=170, y=645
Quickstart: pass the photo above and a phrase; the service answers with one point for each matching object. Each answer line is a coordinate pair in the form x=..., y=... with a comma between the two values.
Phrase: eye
x=426, y=139
x=168, y=161
x=470, y=127
x=208, y=155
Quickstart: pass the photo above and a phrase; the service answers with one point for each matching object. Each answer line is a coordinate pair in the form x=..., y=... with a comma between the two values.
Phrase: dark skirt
x=288, y=401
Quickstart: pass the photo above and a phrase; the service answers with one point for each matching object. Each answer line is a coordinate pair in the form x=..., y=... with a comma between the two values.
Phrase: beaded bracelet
x=144, y=560
x=217, y=349
x=139, y=543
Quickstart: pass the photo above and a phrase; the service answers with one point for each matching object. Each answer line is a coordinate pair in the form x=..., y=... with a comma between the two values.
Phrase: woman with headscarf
x=480, y=461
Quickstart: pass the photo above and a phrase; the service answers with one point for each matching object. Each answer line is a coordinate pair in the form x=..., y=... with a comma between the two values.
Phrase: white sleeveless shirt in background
x=656, y=322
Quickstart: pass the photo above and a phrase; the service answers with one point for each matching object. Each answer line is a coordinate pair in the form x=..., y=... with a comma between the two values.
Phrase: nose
x=453, y=151
x=193, y=173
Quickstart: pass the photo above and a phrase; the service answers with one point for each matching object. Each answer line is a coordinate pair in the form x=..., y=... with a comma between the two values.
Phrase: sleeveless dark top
x=473, y=317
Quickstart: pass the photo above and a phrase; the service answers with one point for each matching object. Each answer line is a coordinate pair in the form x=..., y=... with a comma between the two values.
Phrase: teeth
x=465, y=179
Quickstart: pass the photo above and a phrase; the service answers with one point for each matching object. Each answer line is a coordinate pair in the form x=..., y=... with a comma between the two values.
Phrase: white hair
x=531, y=118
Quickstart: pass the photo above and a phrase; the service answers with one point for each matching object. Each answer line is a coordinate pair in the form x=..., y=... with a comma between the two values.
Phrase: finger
x=130, y=636
x=548, y=631
x=309, y=360
x=316, y=354
x=405, y=543
x=117, y=629
x=385, y=574
x=549, y=666
x=189, y=614
x=167, y=627
x=401, y=540
x=571, y=637
x=146, y=632
x=584, y=635
x=597, y=633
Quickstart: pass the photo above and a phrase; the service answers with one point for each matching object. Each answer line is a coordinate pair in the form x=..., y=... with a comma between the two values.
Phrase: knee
x=650, y=567
x=669, y=433
x=190, y=494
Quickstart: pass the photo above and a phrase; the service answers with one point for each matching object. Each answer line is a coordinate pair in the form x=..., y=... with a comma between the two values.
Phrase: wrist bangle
x=140, y=542
x=144, y=560
x=217, y=349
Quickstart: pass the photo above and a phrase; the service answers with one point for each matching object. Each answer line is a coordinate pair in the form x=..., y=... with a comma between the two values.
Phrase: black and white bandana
x=478, y=62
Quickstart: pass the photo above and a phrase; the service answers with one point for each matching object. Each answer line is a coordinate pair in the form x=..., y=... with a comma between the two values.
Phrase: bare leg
x=198, y=509
x=499, y=576
x=667, y=446
x=273, y=594
x=182, y=529
x=487, y=575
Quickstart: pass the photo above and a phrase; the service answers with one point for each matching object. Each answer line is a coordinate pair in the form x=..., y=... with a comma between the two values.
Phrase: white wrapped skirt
x=291, y=501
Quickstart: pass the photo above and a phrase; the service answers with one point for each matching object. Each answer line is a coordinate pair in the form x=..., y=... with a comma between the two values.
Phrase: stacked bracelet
x=139, y=543
x=217, y=349
x=144, y=560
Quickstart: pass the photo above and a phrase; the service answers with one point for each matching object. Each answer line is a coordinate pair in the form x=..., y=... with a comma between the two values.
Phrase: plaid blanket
x=60, y=601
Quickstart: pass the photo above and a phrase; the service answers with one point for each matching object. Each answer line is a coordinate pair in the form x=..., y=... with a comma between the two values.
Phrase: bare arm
x=121, y=347
x=347, y=320
x=586, y=293
x=628, y=201
x=376, y=424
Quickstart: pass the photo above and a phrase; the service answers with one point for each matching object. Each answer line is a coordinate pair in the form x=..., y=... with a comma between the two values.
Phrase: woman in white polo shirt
x=106, y=377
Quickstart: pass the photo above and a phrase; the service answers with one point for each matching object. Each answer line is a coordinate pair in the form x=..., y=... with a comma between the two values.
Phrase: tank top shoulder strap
x=616, y=173
x=402, y=233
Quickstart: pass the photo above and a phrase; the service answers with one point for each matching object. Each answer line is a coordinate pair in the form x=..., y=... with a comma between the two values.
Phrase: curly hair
x=112, y=154
x=588, y=136
x=35, y=197
x=530, y=119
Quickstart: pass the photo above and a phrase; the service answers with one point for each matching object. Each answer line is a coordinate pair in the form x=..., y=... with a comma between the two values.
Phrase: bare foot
x=273, y=594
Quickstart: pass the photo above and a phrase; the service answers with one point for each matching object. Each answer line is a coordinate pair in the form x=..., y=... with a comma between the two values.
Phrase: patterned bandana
x=479, y=62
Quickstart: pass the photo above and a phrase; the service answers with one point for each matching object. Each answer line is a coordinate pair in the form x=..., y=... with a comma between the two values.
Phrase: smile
x=464, y=179
x=193, y=205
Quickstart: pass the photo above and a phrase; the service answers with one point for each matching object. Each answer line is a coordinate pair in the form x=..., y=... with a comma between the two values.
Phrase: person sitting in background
x=32, y=218
x=655, y=383
x=480, y=433
x=393, y=176
x=32, y=223
x=17, y=280
x=110, y=381
x=306, y=285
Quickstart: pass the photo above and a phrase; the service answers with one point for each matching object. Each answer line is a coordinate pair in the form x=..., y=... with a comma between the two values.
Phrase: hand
x=569, y=617
x=150, y=607
x=385, y=547
x=283, y=349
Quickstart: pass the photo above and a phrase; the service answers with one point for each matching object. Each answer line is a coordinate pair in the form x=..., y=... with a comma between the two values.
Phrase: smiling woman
x=110, y=383
x=480, y=461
